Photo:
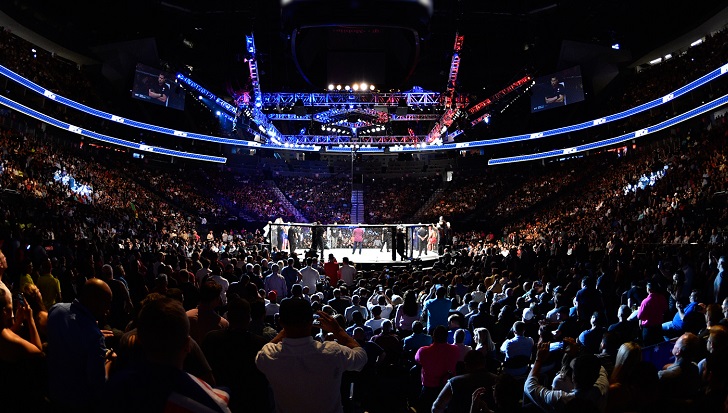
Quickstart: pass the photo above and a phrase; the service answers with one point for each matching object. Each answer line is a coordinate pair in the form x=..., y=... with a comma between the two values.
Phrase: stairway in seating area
x=357, y=204
x=286, y=203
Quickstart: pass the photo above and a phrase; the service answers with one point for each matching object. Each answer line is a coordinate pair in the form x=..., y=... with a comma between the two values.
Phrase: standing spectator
x=309, y=276
x=231, y=353
x=275, y=282
x=331, y=268
x=291, y=274
x=203, y=318
x=78, y=361
x=305, y=375
x=650, y=315
x=49, y=286
x=438, y=362
x=158, y=383
x=436, y=310
x=590, y=383
x=720, y=285
x=347, y=272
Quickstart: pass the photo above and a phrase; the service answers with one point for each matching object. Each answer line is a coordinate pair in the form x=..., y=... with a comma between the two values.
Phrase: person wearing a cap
x=305, y=375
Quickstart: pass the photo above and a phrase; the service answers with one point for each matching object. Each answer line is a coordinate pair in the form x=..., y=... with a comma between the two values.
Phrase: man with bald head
x=77, y=355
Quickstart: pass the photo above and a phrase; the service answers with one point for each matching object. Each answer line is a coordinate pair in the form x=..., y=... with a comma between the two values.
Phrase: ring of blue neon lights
x=104, y=138
x=460, y=146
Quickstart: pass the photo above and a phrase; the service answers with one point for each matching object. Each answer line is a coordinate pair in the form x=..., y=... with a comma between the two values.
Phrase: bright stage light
x=371, y=87
x=347, y=87
x=363, y=86
x=217, y=113
x=331, y=87
x=355, y=87
x=338, y=87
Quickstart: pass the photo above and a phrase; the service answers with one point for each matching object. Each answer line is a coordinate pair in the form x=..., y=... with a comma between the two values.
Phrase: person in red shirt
x=331, y=268
x=651, y=314
x=438, y=362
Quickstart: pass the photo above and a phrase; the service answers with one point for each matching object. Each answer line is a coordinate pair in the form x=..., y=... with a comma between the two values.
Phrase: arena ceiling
x=301, y=44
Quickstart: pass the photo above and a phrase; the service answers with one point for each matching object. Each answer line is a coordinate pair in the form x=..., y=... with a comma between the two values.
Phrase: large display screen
x=158, y=87
x=557, y=89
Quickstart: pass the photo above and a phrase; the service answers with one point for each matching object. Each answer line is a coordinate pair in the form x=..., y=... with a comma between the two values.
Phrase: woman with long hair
x=633, y=384
x=407, y=313
x=21, y=360
x=484, y=343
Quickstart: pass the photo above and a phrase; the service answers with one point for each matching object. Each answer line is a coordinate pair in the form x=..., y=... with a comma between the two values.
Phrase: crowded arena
x=551, y=239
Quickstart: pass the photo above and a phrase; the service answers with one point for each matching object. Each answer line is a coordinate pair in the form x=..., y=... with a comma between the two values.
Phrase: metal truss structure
x=253, y=66
x=328, y=140
x=411, y=117
x=351, y=99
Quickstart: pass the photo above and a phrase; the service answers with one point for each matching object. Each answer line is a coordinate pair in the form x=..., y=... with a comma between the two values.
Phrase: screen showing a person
x=158, y=87
x=557, y=89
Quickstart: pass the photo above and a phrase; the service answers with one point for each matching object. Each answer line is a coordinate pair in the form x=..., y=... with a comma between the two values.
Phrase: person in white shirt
x=309, y=276
x=375, y=323
x=305, y=375
x=382, y=301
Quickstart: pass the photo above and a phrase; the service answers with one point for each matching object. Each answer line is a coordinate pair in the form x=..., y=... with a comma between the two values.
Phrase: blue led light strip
x=616, y=140
x=104, y=138
x=118, y=119
x=595, y=122
x=460, y=145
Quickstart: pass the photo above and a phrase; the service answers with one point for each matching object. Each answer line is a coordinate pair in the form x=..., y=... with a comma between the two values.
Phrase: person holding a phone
x=17, y=355
x=305, y=375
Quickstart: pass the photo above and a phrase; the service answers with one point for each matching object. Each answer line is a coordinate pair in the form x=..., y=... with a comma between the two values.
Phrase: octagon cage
x=380, y=243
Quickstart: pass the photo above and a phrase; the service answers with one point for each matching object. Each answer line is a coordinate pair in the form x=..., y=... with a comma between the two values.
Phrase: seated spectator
x=459, y=338
x=355, y=307
x=684, y=313
x=359, y=323
x=592, y=338
x=417, y=340
x=681, y=380
x=633, y=383
x=625, y=329
x=375, y=323
x=454, y=325
x=519, y=346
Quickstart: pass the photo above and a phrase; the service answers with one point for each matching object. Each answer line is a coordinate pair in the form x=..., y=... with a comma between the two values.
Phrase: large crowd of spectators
x=319, y=199
x=125, y=299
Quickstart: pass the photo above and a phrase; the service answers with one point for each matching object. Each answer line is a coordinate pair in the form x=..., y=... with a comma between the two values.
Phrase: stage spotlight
x=338, y=87
x=355, y=87
x=347, y=88
x=323, y=127
x=331, y=86
x=371, y=87
x=217, y=113
x=363, y=86
x=199, y=97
